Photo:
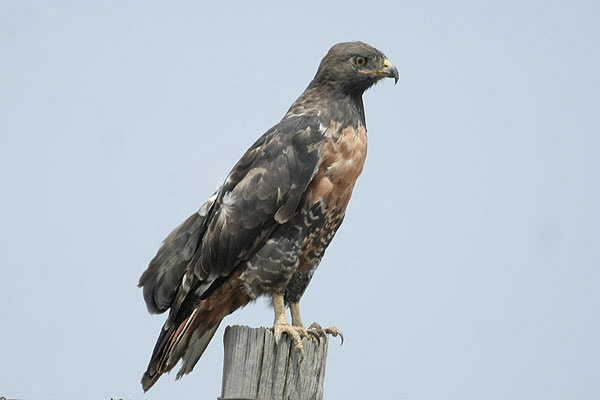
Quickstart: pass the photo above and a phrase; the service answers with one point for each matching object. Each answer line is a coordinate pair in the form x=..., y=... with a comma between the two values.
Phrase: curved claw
x=276, y=337
x=332, y=330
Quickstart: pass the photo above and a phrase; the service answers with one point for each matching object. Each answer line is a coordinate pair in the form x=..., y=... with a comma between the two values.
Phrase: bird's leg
x=295, y=310
x=283, y=326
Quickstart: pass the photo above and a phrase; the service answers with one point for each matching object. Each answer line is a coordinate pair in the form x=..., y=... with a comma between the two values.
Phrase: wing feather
x=165, y=272
x=264, y=189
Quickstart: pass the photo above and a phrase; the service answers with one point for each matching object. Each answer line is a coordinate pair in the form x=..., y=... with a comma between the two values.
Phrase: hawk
x=264, y=231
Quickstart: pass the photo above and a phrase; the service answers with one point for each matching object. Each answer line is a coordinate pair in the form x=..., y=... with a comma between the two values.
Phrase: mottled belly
x=332, y=187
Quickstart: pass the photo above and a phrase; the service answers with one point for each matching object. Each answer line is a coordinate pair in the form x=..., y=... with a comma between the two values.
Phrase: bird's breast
x=343, y=161
x=332, y=186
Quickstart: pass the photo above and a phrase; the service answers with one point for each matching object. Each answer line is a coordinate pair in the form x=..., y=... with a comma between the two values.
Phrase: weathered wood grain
x=255, y=368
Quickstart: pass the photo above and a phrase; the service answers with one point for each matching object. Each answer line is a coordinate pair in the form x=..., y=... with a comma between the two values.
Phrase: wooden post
x=255, y=368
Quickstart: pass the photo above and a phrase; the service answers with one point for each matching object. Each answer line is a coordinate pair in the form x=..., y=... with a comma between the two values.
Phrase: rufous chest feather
x=343, y=161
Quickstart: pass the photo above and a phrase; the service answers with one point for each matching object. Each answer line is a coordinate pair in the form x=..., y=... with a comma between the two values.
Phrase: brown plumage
x=266, y=228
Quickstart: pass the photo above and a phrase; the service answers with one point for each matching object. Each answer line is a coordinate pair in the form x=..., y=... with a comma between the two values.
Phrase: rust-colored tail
x=187, y=338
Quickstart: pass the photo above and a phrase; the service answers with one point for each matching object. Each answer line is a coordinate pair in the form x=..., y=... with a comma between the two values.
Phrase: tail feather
x=187, y=338
x=153, y=372
x=166, y=285
x=196, y=346
x=186, y=341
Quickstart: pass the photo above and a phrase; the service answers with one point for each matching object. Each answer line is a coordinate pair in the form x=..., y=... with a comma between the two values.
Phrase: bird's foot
x=296, y=333
x=316, y=329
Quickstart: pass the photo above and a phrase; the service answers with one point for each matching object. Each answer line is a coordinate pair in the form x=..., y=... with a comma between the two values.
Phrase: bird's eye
x=360, y=61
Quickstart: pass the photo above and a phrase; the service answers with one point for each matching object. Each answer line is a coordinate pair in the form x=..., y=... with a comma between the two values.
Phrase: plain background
x=468, y=266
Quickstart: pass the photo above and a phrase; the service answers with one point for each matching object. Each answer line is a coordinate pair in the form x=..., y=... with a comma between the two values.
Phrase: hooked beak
x=390, y=71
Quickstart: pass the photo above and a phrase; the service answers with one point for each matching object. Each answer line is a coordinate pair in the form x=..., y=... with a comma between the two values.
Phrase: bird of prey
x=264, y=231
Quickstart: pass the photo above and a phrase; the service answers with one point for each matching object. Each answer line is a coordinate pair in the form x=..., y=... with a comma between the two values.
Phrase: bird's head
x=353, y=67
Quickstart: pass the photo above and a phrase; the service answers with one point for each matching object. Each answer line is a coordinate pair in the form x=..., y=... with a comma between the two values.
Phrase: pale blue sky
x=468, y=266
